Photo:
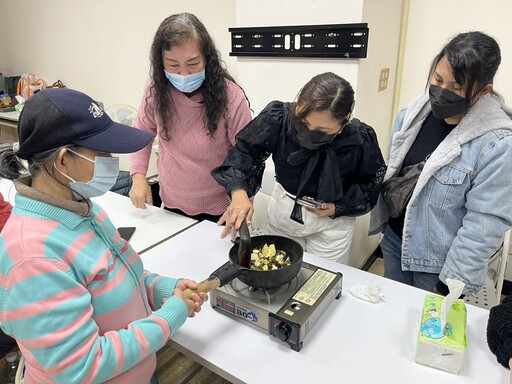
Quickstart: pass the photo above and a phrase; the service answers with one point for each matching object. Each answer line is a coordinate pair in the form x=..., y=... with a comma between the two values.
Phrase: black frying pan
x=273, y=278
x=256, y=278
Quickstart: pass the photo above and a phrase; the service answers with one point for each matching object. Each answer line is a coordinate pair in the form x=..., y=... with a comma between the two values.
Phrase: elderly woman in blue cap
x=74, y=294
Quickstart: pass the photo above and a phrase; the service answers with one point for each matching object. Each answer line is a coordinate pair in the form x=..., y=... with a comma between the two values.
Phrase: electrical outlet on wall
x=383, y=79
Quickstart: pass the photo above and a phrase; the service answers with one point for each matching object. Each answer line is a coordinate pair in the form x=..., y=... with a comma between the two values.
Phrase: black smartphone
x=126, y=232
x=310, y=202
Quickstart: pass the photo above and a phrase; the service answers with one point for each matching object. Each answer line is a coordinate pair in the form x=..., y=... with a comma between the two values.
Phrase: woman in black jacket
x=328, y=167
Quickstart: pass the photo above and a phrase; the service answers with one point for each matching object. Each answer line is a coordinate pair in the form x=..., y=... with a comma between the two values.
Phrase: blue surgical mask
x=188, y=83
x=106, y=171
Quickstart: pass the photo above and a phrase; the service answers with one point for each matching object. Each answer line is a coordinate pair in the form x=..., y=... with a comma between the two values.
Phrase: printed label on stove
x=246, y=314
x=226, y=305
x=237, y=310
x=310, y=292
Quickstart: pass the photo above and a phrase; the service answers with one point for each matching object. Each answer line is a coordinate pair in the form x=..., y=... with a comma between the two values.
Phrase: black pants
x=6, y=343
x=200, y=217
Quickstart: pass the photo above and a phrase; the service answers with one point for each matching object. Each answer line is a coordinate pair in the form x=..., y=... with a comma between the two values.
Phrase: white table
x=354, y=341
x=11, y=116
x=153, y=225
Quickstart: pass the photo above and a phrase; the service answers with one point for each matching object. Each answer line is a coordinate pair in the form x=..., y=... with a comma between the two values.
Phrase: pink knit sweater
x=186, y=160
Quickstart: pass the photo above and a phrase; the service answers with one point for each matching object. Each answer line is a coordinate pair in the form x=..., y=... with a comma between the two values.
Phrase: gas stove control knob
x=282, y=331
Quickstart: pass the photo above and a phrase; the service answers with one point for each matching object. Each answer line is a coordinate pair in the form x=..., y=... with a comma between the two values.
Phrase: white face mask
x=106, y=171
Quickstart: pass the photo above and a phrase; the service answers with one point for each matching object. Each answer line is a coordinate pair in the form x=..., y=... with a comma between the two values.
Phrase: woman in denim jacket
x=461, y=203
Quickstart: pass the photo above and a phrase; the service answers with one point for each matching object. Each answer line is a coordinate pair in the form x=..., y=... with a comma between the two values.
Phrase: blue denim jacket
x=462, y=202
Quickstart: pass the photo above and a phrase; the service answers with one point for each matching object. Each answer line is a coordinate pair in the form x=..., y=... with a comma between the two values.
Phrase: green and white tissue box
x=437, y=348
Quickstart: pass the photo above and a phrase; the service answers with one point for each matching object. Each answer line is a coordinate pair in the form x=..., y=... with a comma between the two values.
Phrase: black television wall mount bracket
x=349, y=41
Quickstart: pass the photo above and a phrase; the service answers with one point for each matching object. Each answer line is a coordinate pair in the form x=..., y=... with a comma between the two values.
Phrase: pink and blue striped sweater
x=76, y=298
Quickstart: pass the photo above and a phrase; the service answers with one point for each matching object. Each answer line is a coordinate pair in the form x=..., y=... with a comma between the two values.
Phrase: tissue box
x=442, y=349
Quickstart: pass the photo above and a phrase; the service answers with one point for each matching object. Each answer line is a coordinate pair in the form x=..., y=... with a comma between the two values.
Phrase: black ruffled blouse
x=348, y=172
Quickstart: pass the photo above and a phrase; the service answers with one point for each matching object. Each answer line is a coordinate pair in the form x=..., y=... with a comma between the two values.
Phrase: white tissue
x=368, y=292
x=456, y=287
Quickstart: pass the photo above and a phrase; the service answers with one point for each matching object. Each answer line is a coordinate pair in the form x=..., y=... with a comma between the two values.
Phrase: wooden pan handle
x=204, y=286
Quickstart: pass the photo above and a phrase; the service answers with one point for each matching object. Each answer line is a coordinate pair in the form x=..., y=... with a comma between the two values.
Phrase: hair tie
x=16, y=146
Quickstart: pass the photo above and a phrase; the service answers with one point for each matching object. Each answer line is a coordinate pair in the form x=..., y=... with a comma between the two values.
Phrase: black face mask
x=312, y=139
x=444, y=103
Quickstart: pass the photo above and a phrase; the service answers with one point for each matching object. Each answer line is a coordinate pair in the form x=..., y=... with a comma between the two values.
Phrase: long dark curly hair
x=175, y=30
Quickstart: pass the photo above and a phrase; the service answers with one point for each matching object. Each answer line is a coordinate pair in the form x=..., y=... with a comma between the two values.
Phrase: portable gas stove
x=287, y=312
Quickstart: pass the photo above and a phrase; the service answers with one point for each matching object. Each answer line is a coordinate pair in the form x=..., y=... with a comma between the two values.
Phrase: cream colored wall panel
x=99, y=47
x=433, y=23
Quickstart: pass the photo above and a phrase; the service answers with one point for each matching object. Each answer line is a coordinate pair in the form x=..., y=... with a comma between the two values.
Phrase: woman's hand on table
x=240, y=208
x=195, y=301
x=140, y=194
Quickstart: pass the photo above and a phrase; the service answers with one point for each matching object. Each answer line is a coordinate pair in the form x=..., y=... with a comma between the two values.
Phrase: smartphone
x=309, y=202
x=126, y=232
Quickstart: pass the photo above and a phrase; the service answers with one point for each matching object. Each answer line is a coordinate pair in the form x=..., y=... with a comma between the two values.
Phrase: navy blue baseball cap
x=54, y=118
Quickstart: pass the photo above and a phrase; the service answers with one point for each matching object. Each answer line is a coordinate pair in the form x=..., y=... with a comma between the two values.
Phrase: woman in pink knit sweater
x=196, y=109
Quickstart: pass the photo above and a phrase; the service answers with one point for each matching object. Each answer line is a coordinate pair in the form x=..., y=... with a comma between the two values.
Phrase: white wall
x=100, y=47
x=433, y=23
x=266, y=79
x=375, y=107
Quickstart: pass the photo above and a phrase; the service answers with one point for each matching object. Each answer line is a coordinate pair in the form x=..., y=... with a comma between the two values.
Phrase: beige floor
x=174, y=367
x=377, y=267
